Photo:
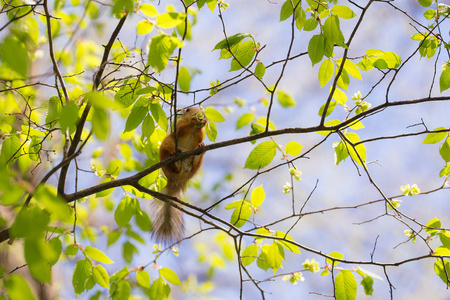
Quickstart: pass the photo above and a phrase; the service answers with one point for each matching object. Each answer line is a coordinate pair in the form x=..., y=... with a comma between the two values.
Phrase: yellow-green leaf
x=97, y=255
x=257, y=196
x=170, y=19
x=143, y=278
x=261, y=155
x=293, y=148
x=326, y=71
x=285, y=99
x=144, y=27
x=170, y=275
x=148, y=10
x=213, y=115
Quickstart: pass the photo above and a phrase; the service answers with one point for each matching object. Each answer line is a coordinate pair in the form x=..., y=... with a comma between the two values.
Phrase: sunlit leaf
x=97, y=255
x=345, y=286
x=257, y=196
x=169, y=275
x=261, y=155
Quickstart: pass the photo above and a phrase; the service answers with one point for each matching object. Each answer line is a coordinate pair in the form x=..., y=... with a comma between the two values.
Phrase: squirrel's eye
x=187, y=109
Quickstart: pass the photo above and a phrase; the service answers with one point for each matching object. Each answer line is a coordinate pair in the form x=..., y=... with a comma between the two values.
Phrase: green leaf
x=444, y=236
x=262, y=261
x=122, y=7
x=128, y=250
x=143, y=278
x=71, y=250
x=159, y=289
x=275, y=255
x=330, y=108
x=352, y=69
x=53, y=112
x=213, y=115
x=444, y=150
x=442, y=272
x=241, y=213
x=169, y=275
x=425, y=3
x=14, y=54
x=211, y=4
x=148, y=126
x=285, y=99
x=30, y=223
x=161, y=47
x=433, y=223
x=137, y=115
x=291, y=247
x=81, y=273
x=332, y=32
x=326, y=71
x=232, y=41
x=433, y=138
x=367, y=283
x=124, y=212
x=243, y=55
x=69, y=115
x=358, y=153
x=310, y=24
x=148, y=10
x=170, y=19
x=184, y=79
x=345, y=286
x=445, y=170
x=389, y=60
x=293, y=148
x=343, y=12
x=260, y=70
x=442, y=251
x=286, y=10
x=100, y=123
x=159, y=115
x=316, y=48
x=429, y=14
x=356, y=125
x=249, y=254
x=340, y=151
x=261, y=155
x=97, y=255
x=10, y=149
x=101, y=276
x=343, y=80
x=127, y=94
x=144, y=27
x=444, y=79
x=443, y=9
x=245, y=119
x=113, y=236
x=339, y=96
x=143, y=221
x=335, y=255
x=122, y=290
x=36, y=255
x=55, y=250
x=257, y=196
x=211, y=131
x=300, y=18
x=17, y=288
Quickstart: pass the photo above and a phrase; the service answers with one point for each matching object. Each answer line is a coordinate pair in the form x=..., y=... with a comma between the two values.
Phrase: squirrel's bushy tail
x=168, y=225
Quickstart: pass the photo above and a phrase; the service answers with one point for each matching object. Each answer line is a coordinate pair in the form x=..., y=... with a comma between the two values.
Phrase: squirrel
x=168, y=223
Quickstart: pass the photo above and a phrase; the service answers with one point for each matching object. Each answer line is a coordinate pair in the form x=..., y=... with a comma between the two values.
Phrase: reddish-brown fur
x=190, y=132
